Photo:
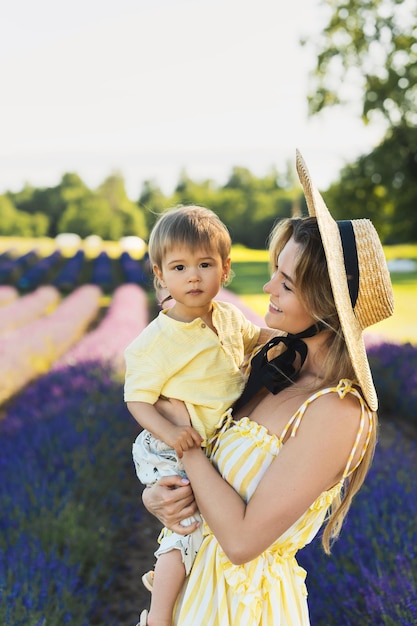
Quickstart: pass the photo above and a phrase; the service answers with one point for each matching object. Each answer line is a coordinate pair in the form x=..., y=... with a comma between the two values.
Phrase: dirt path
x=127, y=596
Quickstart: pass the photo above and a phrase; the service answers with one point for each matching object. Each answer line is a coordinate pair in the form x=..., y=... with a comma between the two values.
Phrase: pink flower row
x=31, y=349
x=21, y=311
x=126, y=318
x=7, y=294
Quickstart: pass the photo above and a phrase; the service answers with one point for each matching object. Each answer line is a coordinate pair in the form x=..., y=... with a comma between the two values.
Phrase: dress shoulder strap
x=344, y=387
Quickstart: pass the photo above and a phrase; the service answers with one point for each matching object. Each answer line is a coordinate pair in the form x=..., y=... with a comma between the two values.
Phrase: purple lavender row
x=28, y=272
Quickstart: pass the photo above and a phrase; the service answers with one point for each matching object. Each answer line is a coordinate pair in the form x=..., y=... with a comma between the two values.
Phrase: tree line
x=247, y=204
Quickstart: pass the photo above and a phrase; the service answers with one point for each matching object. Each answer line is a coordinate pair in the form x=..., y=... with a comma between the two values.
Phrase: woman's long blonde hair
x=315, y=292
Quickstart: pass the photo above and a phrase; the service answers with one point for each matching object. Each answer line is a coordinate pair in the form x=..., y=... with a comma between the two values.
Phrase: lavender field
x=69, y=500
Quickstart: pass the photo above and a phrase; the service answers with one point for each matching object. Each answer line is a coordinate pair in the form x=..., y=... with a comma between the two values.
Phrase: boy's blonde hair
x=192, y=226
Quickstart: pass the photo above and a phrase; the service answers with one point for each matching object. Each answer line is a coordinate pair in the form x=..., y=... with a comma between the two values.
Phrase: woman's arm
x=306, y=465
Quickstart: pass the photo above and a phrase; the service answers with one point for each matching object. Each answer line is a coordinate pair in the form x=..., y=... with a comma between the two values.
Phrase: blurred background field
x=251, y=272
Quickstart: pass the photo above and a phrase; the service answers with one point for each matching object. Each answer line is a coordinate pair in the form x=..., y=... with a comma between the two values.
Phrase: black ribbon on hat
x=281, y=371
x=350, y=258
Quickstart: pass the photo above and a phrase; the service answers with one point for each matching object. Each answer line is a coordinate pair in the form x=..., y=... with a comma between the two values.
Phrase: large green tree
x=376, y=186
x=370, y=45
x=368, y=51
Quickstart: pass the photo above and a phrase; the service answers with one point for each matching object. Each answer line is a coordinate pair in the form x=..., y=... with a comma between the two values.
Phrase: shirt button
x=203, y=325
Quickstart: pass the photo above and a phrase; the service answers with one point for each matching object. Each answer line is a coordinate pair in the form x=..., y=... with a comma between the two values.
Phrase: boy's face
x=192, y=277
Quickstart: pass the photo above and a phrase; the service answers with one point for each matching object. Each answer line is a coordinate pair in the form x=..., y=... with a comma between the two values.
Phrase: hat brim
x=332, y=244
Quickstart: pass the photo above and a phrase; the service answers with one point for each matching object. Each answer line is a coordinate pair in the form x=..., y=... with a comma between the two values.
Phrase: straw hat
x=359, y=277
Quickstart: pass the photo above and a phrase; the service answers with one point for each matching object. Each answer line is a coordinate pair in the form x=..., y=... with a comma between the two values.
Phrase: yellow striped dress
x=269, y=590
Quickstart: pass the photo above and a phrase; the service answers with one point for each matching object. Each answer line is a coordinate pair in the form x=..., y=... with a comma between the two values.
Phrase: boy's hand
x=183, y=438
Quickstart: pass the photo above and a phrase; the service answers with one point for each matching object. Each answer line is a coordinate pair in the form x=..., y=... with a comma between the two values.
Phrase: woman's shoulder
x=329, y=406
x=342, y=399
x=346, y=392
x=337, y=415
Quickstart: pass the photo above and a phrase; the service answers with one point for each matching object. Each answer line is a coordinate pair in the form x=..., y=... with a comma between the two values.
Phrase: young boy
x=192, y=351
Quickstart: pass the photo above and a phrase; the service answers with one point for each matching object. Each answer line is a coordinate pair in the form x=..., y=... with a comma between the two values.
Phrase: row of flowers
x=70, y=506
x=21, y=311
x=31, y=271
x=127, y=315
x=8, y=293
x=67, y=491
x=67, y=277
x=33, y=341
x=31, y=349
x=36, y=274
x=11, y=267
x=67, y=498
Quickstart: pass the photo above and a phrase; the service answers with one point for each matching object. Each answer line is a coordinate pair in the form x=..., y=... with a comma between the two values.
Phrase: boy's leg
x=168, y=579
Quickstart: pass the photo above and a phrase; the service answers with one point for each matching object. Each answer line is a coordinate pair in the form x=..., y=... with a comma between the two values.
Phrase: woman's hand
x=171, y=500
x=173, y=410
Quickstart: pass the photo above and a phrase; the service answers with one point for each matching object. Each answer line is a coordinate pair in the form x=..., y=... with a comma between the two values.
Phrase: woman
x=299, y=442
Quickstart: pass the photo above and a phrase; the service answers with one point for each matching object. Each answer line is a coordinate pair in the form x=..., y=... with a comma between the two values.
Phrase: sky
x=151, y=88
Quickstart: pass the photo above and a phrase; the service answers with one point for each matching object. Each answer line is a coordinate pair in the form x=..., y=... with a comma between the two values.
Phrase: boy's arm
x=180, y=437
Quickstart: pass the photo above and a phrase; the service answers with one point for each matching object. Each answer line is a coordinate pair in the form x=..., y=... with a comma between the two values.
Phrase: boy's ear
x=226, y=268
x=158, y=273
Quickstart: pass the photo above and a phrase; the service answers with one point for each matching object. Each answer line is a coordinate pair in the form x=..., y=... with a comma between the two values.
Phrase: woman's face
x=285, y=311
